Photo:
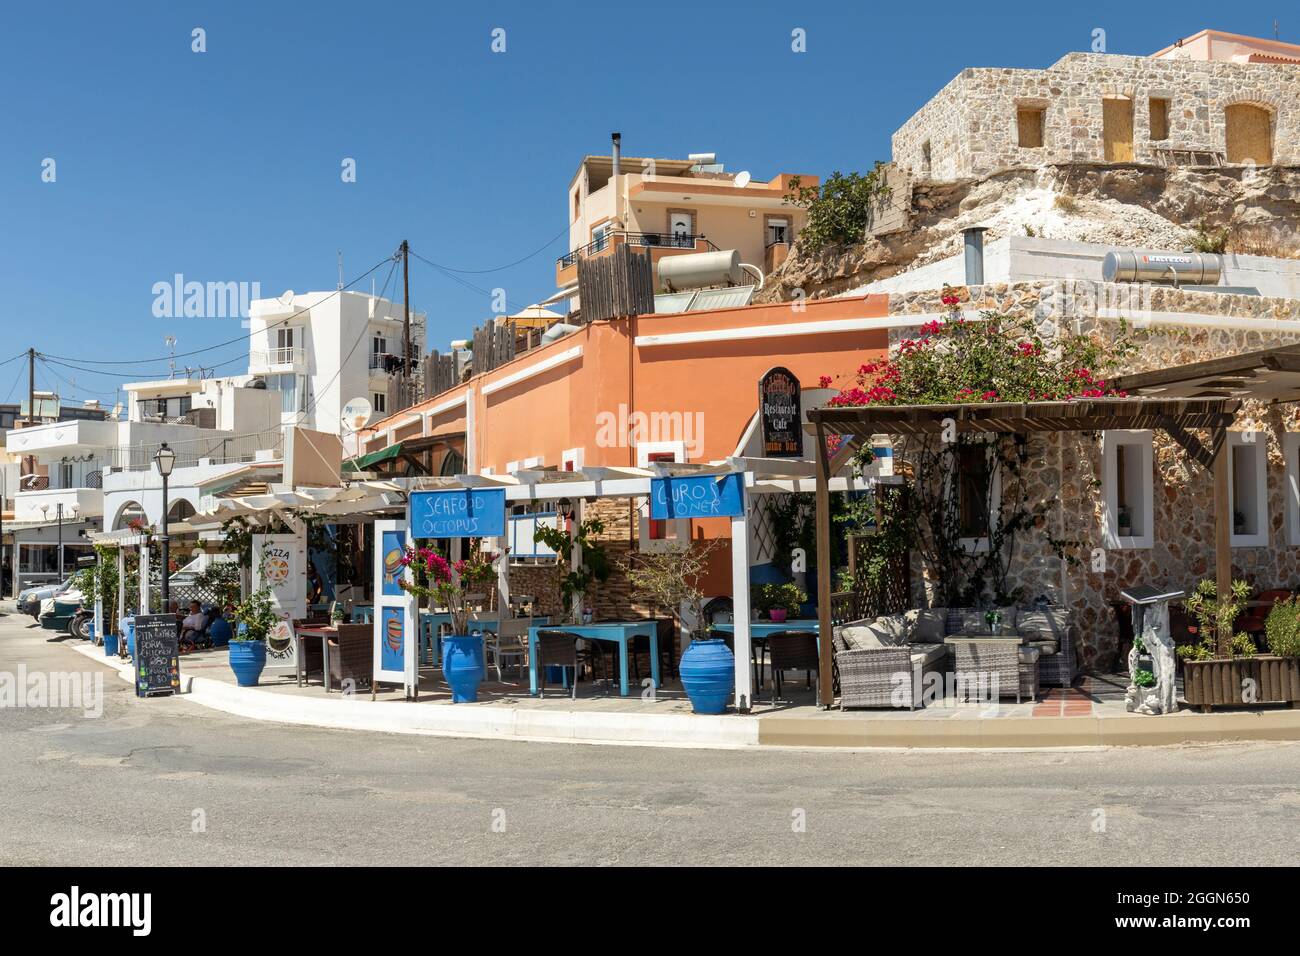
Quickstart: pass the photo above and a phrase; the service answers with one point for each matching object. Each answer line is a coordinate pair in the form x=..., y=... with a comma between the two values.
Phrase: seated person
x=194, y=625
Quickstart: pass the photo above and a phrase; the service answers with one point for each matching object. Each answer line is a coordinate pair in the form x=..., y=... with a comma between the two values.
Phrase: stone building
x=1212, y=99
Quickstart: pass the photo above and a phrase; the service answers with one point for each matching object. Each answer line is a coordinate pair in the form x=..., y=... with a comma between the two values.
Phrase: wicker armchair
x=792, y=651
x=352, y=656
x=979, y=663
x=889, y=675
x=1052, y=633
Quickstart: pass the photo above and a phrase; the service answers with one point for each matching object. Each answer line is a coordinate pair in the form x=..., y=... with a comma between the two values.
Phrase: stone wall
x=1064, y=470
x=971, y=130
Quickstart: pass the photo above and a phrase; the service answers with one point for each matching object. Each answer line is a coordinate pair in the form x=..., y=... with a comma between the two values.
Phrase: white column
x=740, y=606
x=144, y=579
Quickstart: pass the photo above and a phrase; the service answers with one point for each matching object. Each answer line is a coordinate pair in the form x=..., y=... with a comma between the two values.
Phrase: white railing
x=271, y=358
x=217, y=450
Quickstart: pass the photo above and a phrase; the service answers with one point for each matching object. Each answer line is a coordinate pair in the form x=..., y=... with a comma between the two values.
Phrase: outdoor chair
x=352, y=654
x=792, y=651
x=979, y=663
x=509, y=642
x=556, y=649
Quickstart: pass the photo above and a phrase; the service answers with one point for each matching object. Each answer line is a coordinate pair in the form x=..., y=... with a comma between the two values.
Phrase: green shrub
x=1214, y=614
x=1144, y=679
x=839, y=210
x=1282, y=629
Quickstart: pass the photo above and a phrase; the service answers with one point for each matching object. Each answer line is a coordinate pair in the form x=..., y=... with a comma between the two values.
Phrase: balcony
x=42, y=504
x=659, y=244
x=79, y=437
x=287, y=359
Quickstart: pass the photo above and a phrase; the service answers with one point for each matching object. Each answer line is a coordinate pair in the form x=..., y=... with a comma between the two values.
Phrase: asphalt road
x=168, y=782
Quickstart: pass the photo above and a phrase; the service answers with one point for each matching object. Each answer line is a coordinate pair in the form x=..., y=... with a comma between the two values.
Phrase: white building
x=320, y=350
x=86, y=474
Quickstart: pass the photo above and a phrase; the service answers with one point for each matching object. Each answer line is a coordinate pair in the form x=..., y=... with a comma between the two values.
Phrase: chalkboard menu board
x=157, y=655
x=780, y=414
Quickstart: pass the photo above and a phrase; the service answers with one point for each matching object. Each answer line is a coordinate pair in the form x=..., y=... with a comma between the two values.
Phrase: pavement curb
x=730, y=731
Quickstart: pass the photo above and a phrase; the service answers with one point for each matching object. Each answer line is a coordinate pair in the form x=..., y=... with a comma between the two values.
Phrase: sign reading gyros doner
x=780, y=414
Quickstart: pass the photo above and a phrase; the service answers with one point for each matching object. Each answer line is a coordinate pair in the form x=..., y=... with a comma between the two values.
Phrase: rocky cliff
x=1119, y=204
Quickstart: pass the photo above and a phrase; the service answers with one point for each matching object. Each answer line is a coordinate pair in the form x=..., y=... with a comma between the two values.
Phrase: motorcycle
x=80, y=625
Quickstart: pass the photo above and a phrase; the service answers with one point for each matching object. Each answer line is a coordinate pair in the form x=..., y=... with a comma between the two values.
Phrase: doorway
x=1117, y=128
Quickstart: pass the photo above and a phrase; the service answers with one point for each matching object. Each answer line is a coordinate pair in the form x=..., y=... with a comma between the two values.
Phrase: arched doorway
x=180, y=510
x=130, y=512
x=1248, y=130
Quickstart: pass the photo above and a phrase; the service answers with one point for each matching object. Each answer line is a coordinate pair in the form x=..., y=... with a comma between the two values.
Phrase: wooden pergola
x=1179, y=417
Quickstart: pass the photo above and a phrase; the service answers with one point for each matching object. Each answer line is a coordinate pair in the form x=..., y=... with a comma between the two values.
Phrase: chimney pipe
x=618, y=151
x=975, y=254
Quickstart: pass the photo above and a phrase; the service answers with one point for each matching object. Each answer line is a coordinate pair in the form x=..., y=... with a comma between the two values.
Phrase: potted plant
x=1125, y=522
x=778, y=601
x=254, y=617
x=669, y=580
x=447, y=584
x=594, y=567
x=1220, y=669
x=1280, y=668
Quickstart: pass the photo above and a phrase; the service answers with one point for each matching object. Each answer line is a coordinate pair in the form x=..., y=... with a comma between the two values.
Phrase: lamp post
x=164, y=459
x=58, y=517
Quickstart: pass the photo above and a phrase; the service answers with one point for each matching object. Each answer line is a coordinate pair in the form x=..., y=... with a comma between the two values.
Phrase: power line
x=550, y=242
x=467, y=284
x=239, y=338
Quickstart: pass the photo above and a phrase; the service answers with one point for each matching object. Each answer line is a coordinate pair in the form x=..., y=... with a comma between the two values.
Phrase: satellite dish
x=742, y=179
x=356, y=413
x=286, y=296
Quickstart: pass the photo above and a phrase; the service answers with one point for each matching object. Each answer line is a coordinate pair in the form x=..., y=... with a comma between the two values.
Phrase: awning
x=375, y=457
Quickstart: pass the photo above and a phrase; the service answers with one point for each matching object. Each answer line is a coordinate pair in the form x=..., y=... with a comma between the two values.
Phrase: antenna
x=170, y=342
x=340, y=270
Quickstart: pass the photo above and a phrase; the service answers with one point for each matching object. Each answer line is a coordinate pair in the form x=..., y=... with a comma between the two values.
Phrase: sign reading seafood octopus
x=697, y=496
x=468, y=513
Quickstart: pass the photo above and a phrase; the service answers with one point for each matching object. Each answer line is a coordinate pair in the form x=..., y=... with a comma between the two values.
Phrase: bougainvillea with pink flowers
x=994, y=358
x=445, y=583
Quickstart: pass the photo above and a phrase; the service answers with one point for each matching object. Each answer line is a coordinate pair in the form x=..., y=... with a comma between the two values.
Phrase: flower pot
x=1222, y=683
x=777, y=614
x=708, y=673
x=247, y=658
x=462, y=666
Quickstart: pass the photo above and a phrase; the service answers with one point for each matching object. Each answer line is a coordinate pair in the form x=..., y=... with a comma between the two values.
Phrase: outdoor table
x=324, y=633
x=616, y=632
x=760, y=631
x=439, y=619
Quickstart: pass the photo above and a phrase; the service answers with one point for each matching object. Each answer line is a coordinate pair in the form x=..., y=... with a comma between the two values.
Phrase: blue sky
x=225, y=165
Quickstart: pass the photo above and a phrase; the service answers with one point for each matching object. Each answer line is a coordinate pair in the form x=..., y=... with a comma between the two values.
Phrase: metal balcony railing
x=649, y=240
x=219, y=451
x=270, y=358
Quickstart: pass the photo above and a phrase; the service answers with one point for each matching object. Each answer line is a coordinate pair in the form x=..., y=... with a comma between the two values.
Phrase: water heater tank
x=700, y=269
x=1177, y=268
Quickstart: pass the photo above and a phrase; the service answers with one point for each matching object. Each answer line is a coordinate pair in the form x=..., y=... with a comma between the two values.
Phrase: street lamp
x=165, y=459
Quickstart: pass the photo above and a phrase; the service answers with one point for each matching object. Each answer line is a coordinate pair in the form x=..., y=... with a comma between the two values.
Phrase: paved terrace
x=1089, y=714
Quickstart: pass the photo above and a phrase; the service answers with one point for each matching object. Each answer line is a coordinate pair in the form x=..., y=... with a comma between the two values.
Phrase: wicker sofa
x=870, y=654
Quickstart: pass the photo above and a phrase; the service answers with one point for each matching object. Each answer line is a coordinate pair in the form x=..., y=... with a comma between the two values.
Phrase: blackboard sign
x=780, y=414
x=157, y=655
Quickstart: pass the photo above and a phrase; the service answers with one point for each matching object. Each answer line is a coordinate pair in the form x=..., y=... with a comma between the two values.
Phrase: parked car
x=30, y=600
x=57, y=612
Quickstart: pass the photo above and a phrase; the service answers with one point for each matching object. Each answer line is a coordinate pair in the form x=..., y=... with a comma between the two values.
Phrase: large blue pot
x=247, y=658
x=110, y=645
x=708, y=672
x=462, y=666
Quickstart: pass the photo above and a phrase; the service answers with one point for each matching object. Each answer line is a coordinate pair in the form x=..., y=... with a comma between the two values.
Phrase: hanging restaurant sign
x=780, y=414
x=697, y=496
x=464, y=513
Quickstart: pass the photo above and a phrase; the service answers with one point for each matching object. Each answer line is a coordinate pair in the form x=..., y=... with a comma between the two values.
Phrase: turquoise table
x=759, y=631
x=615, y=632
x=433, y=621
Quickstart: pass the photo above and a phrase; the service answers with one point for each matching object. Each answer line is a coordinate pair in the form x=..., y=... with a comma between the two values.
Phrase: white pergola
x=364, y=501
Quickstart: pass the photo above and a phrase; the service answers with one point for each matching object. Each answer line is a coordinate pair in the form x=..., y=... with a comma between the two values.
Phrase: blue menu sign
x=697, y=496
x=465, y=513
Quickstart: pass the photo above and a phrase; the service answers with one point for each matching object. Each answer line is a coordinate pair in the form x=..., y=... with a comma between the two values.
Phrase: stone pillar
x=1151, y=630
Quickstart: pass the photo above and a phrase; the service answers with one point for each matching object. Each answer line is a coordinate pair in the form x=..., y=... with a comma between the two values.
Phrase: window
x=925, y=160
x=571, y=459
x=1029, y=126
x=577, y=203
x=165, y=407
x=599, y=235
x=660, y=535
x=778, y=231
x=1159, y=110
x=1247, y=489
x=1291, y=452
x=1249, y=133
x=284, y=338
x=292, y=395
x=379, y=401
x=1128, y=489
x=1117, y=129
x=65, y=475
x=975, y=490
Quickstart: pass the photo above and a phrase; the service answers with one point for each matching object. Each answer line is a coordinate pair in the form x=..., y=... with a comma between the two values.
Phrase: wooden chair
x=556, y=649
x=794, y=651
x=352, y=654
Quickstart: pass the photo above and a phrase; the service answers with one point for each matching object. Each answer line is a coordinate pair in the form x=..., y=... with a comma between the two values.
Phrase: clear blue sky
x=225, y=165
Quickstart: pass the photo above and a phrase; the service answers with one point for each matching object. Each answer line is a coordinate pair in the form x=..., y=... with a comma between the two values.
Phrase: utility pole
x=406, y=324
x=31, y=386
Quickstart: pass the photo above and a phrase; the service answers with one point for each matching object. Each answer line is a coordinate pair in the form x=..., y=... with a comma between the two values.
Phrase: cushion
x=859, y=637
x=1046, y=648
x=1028, y=655
x=1047, y=625
x=925, y=655
x=931, y=625
x=895, y=628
